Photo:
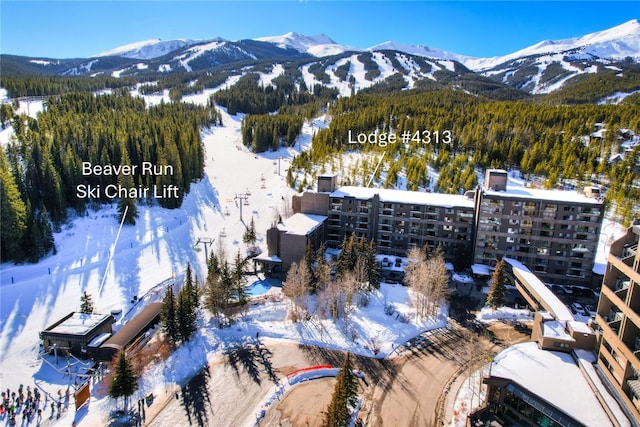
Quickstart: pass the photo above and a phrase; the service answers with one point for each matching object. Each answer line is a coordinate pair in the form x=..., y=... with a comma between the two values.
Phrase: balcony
x=575, y=274
x=615, y=326
x=622, y=283
x=629, y=251
x=615, y=315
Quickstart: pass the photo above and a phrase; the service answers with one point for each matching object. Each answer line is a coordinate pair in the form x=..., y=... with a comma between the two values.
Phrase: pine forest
x=453, y=132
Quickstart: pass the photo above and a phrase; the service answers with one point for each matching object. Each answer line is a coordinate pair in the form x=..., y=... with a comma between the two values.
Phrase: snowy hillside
x=148, y=49
x=615, y=43
x=545, y=67
x=157, y=248
x=426, y=51
x=318, y=45
x=548, y=65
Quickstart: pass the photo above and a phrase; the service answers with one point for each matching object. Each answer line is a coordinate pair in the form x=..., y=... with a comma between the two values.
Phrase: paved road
x=233, y=387
x=410, y=398
x=402, y=391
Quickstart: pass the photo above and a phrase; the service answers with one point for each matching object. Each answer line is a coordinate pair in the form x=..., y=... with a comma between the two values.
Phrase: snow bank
x=487, y=314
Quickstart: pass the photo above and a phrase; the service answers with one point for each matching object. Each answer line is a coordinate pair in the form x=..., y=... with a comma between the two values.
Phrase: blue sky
x=479, y=28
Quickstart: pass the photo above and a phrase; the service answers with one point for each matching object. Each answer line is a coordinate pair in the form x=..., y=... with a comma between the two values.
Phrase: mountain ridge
x=545, y=67
x=322, y=45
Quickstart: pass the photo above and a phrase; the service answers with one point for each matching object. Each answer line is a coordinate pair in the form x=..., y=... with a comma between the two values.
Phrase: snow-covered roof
x=586, y=360
x=551, y=301
x=554, y=377
x=401, y=196
x=481, y=269
x=580, y=327
x=542, y=194
x=270, y=258
x=555, y=329
x=97, y=341
x=301, y=224
x=79, y=323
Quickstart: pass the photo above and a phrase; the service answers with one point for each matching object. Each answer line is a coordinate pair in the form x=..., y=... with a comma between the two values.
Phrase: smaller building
x=561, y=335
x=73, y=333
x=528, y=386
x=287, y=242
x=131, y=332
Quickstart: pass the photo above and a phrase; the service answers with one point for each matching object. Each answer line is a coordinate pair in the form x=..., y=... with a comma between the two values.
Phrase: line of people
x=29, y=403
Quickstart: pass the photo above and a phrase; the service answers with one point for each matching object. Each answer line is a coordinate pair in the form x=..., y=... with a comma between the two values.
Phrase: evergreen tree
x=215, y=297
x=344, y=397
x=14, y=215
x=322, y=271
x=238, y=280
x=186, y=314
x=347, y=257
x=193, y=288
x=463, y=258
x=86, y=303
x=40, y=240
x=308, y=264
x=125, y=380
x=168, y=317
x=127, y=204
x=374, y=275
x=249, y=237
x=498, y=290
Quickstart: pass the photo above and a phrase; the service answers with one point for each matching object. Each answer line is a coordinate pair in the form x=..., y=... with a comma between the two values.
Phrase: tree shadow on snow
x=374, y=369
x=195, y=399
x=253, y=358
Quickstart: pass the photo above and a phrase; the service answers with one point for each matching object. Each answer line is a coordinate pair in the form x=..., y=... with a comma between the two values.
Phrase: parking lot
x=469, y=294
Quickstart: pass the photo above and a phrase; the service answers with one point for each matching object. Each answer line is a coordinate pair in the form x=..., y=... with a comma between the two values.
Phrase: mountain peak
x=318, y=45
x=614, y=43
x=147, y=49
x=419, y=50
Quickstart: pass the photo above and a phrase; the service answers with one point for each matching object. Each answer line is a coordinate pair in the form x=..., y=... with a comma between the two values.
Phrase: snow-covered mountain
x=616, y=43
x=148, y=49
x=421, y=50
x=541, y=68
x=318, y=45
x=550, y=64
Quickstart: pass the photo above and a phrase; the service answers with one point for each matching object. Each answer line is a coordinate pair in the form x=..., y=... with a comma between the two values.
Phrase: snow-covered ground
x=487, y=314
x=158, y=247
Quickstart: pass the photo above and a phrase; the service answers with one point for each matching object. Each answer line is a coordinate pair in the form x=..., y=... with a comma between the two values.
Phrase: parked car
x=589, y=310
x=567, y=289
x=581, y=291
x=576, y=308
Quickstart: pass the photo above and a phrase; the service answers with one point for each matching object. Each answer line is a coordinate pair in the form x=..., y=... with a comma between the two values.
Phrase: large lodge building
x=555, y=233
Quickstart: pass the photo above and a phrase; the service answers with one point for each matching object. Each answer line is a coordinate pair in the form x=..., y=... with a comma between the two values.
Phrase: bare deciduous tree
x=428, y=280
x=296, y=288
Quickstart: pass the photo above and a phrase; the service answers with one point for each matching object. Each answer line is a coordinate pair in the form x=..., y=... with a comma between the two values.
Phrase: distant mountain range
x=542, y=68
